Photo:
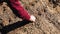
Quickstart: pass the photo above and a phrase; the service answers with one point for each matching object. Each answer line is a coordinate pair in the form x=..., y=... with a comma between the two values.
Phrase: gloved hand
x=32, y=18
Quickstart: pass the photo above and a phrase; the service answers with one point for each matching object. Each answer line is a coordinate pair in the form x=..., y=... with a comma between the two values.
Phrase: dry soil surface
x=47, y=13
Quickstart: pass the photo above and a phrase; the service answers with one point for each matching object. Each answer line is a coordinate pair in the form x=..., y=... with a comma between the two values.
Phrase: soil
x=47, y=13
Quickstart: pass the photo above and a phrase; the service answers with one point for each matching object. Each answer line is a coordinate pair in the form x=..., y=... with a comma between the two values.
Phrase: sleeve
x=21, y=11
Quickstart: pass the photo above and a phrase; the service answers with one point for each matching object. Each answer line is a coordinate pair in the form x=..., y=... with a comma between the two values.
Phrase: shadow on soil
x=11, y=27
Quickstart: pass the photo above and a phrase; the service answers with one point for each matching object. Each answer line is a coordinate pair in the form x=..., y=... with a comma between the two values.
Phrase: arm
x=21, y=11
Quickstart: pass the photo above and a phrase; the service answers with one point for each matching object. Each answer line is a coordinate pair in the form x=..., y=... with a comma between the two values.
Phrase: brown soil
x=47, y=14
